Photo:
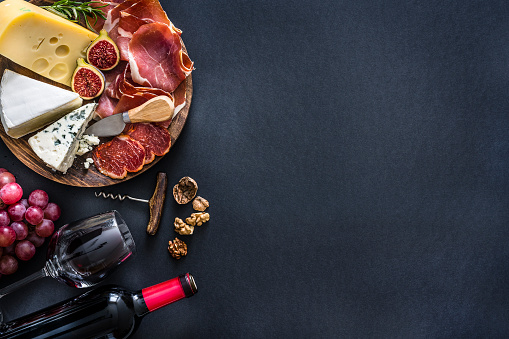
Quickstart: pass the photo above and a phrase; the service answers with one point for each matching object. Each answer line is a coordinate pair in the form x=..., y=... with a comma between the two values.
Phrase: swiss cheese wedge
x=41, y=41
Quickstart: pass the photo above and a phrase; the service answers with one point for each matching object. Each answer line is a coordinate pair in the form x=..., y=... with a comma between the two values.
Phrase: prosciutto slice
x=125, y=19
x=105, y=106
x=99, y=23
x=124, y=89
x=155, y=139
x=147, y=10
x=156, y=57
x=179, y=98
x=121, y=155
x=122, y=94
x=113, y=80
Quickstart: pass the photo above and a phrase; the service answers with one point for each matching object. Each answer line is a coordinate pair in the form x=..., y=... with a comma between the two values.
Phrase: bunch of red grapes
x=24, y=223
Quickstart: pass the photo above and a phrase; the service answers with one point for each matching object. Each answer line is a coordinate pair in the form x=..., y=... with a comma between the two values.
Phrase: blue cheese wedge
x=27, y=105
x=57, y=144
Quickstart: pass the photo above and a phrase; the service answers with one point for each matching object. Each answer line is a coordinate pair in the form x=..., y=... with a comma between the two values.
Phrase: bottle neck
x=165, y=293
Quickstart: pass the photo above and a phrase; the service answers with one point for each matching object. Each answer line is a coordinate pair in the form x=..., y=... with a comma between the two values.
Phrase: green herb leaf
x=73, y=10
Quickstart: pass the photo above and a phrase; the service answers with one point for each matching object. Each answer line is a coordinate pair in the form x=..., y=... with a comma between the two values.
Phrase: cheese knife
x=157, y=109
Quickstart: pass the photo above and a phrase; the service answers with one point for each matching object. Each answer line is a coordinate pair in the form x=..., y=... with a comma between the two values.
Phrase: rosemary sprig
x=72, y=10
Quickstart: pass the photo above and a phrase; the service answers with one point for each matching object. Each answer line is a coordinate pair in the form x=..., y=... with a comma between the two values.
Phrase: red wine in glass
x=84, y=252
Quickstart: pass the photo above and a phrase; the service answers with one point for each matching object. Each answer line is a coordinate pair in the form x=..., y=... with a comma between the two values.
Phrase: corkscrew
x=155, y=203
x=118, y=197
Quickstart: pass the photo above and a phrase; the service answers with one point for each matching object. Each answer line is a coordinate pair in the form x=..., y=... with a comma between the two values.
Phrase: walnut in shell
x=185, y=190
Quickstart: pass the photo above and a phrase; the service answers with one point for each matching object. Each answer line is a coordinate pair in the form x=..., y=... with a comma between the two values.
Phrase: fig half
x=87, y=81
x=103, y=53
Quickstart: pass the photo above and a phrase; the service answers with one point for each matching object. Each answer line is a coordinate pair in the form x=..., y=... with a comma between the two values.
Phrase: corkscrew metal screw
x=118, y=197
x=155, y=203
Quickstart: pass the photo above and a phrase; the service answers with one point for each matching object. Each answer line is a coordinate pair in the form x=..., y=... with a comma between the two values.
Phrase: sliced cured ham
x=125, y=19
x=128, y=87
x=156, y=57
x=179, y=98
x=114, y=78
x=147, y=10
x=105, y=107
x=99, y=23
x=179, y=101
x=121, y=155
x=133, y=96
x=121, y=94
x=113, y=15
x=131, y=101
x=125, y=89
x=155, y=139
x=127, y=25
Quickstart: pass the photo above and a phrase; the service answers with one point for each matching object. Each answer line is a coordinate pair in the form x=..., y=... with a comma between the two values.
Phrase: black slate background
x=355, y=157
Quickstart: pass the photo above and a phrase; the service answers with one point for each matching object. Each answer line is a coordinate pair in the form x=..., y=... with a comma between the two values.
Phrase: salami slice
x=155, y=139
x=117, y=157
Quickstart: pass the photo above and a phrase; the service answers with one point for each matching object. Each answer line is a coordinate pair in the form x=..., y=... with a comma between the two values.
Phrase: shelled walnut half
x=177, y=248
x=200, y=204
x=197, y=219
x=185, y=190
x=182, y=228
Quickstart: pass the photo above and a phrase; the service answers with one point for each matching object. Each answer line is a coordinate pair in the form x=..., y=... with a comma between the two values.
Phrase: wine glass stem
x=18, y=284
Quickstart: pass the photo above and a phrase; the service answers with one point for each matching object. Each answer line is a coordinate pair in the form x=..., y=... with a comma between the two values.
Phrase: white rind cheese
x=57, y=144
x=28, y=105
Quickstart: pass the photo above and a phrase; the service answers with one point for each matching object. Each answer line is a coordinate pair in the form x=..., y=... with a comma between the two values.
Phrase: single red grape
x=45, y=228
x=10, y=249
x=11, y=193
x=6, y=178
x=21, y=229
x=52, y=212
x=25, y=250
x=4, y=218
x=8, y=265
x=34, y=215
x=35, y=239
x=38, y=198
x=17, y=211
x=7, y=236
x=25, y=203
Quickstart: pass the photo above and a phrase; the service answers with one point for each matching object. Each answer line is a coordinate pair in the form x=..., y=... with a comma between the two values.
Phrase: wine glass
x=84, y=252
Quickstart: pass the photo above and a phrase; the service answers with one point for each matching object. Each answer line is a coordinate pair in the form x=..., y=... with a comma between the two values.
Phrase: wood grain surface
x=77, y=175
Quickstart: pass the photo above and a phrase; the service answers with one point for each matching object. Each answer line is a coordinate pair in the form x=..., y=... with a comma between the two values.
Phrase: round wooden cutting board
x=77, y=175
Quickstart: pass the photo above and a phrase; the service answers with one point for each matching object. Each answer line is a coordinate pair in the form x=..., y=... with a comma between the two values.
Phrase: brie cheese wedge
x=27, y=104
x=57, y=144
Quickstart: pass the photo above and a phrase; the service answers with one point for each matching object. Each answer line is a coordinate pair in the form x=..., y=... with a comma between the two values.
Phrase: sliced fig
x=87, y=81
x=103, y=53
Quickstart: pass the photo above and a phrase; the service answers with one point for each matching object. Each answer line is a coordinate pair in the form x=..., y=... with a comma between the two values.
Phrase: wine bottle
x=106, y=312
